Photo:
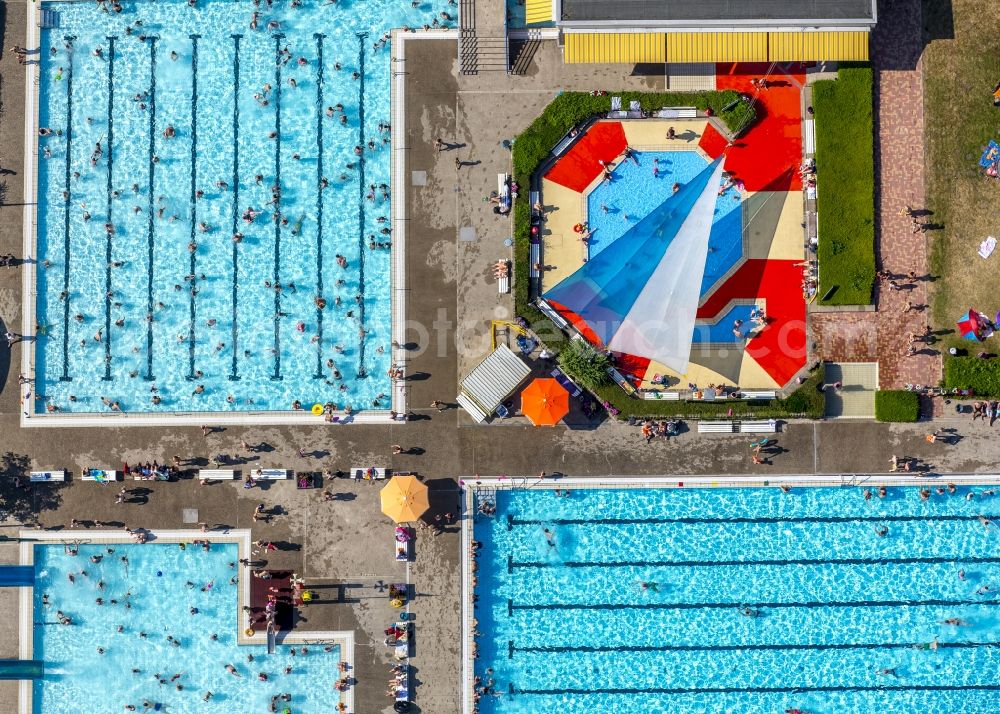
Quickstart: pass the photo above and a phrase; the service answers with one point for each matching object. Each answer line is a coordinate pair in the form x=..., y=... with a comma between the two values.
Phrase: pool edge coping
x=240, y=536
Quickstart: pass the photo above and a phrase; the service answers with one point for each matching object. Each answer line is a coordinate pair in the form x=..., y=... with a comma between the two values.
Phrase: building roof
x=717, y=11
x=491, y=382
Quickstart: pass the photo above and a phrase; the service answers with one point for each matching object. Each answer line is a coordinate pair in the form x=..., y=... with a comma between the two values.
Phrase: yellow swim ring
x=317, y=409
x=249, y=632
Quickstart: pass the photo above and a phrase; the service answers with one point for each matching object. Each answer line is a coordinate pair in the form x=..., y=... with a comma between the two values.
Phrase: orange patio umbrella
x=545, y=402
x=404, y=498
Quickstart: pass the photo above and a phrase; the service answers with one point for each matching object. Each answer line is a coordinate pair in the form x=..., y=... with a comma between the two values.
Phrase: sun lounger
x=535, y=258
x=368, y=473
x=620, y=380
x=46, y=476
x=503, y=185
x=402, y=540
x=403, y=643
x=271, y=474
x=100, y=475
x=616, y=109
x=634, y=109
x=677, y=113
x=216, y=474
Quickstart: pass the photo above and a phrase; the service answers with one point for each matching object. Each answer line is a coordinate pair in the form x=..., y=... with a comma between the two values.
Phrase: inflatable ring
x=578, y=228
x=249, y=632
x=317, y=409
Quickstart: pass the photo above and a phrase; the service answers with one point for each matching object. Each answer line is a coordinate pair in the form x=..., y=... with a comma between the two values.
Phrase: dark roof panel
x=705, y=10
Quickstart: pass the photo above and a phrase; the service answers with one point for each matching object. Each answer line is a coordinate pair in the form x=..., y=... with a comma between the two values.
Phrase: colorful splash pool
x=146, y=606
x=213, y=205
x=692, y=600
x=640, y=184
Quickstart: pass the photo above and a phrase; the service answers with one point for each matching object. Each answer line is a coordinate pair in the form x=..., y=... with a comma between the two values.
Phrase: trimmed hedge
x=805, y=402
x=846, y=181
x=534, y=144
x=982, y=376
x=897, y=405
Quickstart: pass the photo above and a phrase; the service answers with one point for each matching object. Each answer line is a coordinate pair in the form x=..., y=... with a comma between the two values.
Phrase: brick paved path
x=899, y=154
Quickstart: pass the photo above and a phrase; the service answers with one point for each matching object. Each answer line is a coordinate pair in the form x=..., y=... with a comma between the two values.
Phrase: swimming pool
x=76, y=672
x=156, y=288
x=635, y=191
x=754, y=601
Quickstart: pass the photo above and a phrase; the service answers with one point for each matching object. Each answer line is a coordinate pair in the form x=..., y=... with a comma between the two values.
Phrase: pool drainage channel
x=68, y=39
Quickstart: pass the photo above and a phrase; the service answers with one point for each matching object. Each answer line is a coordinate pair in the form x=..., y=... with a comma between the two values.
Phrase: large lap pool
x=750, y=601
x=149, y=595
x=213, y=204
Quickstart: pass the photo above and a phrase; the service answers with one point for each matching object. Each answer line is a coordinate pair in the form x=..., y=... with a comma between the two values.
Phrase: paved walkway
x=899, y=148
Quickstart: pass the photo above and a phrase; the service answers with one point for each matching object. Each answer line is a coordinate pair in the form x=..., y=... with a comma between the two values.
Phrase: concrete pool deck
x=450, y=296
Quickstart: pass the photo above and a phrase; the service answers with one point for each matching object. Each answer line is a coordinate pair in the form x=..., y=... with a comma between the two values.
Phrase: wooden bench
x=100, y=475
x=759, y=394
x=271, y=474
x=661, y=394
x=718, y=427
x=46, y=476
x=768, y=426
x=216, y=474
x=368, y=473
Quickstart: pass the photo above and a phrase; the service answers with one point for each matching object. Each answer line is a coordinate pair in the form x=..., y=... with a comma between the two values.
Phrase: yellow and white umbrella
x=404, y=499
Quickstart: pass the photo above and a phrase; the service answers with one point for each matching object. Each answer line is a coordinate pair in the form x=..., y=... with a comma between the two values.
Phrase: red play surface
x=768, y=155
x=604, y=141
x=780, y=348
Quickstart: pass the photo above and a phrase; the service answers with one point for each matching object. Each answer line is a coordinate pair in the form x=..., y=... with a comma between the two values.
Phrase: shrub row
x=897, y=405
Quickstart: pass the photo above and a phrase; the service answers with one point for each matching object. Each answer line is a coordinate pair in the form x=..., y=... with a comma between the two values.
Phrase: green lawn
x=846, y=187
x=960, y=119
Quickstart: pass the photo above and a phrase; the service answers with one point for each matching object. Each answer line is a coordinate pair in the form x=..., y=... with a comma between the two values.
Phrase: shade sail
x=640, y=294
x=545, y=402
x=404, y=499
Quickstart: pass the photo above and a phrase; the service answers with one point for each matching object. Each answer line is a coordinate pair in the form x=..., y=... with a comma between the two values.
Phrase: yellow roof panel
x=818, y=46
x=684, y=47
x=614, y=47
x=536, y=11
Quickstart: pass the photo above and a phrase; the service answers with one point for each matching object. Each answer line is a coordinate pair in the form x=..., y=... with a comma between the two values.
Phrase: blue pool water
x=160, y=606
x=633, y=192
x=569, y=627
x=177, y=306
x=721, y=331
